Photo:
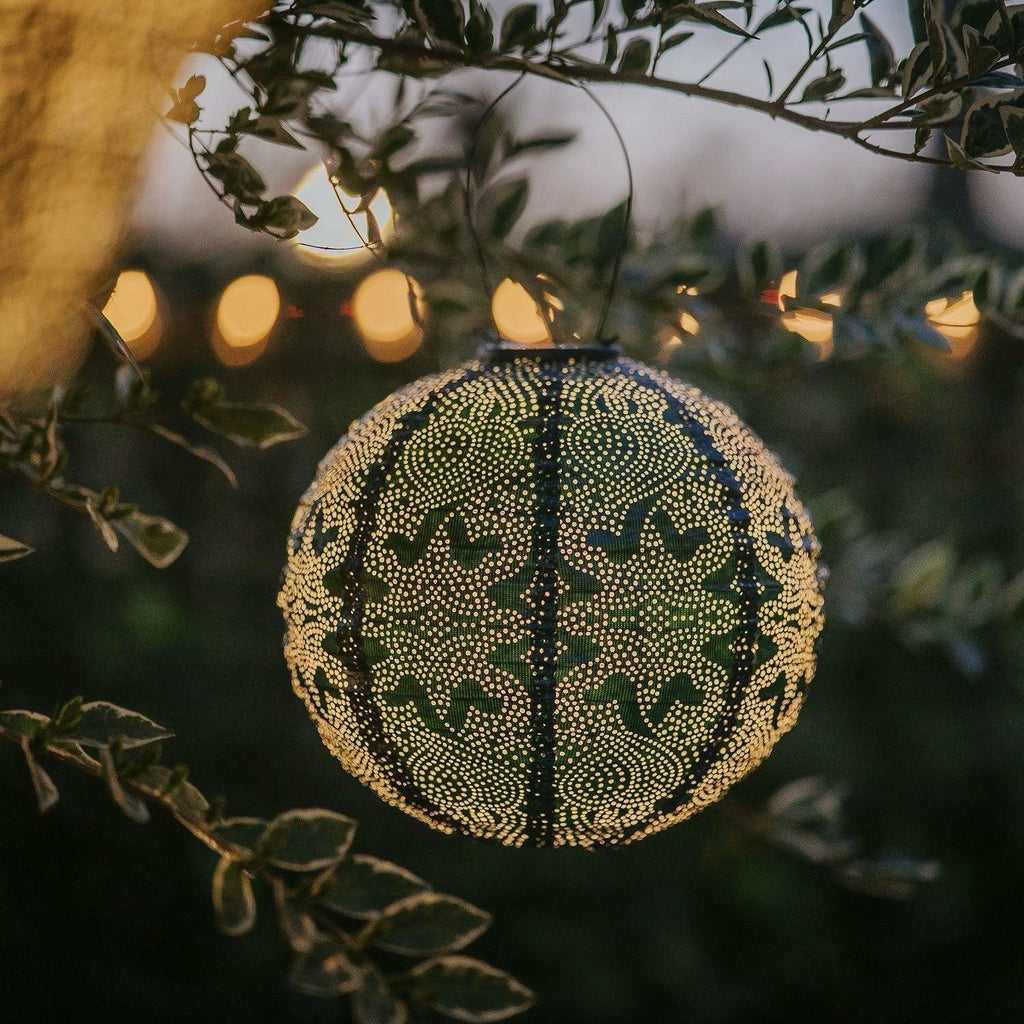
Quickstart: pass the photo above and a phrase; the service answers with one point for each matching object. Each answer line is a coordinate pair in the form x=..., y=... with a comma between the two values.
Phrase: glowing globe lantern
x=551, y=597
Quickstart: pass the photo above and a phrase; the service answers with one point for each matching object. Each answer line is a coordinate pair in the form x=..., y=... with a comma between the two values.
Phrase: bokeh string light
x=133, y=310
x=957, y=320
x=247, y=312
x=388, y=309
x=518, y=316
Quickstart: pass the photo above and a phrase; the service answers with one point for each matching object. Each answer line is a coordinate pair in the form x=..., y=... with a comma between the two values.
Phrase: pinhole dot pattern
x=551, y=601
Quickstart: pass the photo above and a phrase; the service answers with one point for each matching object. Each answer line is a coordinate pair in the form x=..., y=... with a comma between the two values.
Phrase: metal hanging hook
x=627, y=213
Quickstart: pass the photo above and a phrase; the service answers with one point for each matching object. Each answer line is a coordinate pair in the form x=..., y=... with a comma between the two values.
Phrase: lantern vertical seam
x=367, y=713
x=744, y=582
x=543, y=600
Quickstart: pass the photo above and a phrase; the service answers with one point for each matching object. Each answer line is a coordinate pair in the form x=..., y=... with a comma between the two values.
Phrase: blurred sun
x=337, y=237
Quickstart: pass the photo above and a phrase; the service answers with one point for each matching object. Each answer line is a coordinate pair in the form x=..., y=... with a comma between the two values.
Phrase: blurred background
x=912, y=463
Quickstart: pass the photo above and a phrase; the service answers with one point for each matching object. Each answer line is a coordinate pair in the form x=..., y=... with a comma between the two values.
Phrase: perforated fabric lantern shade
x=551, y=599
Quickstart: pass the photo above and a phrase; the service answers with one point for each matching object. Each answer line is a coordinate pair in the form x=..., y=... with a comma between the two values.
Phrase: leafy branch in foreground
x=34, y=450
x=348, y=918
x=956, y=99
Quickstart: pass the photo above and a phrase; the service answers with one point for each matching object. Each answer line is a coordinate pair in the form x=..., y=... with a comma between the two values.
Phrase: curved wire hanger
x=478, y=246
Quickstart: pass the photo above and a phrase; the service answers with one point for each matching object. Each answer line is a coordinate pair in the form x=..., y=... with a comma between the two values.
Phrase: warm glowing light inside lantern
x=134, y=312
x=337, y=236
x=517, y=316
x=382, y=308
x=957, y=321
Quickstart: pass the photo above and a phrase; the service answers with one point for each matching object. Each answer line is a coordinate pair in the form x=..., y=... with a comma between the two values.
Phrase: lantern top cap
x=504, y=353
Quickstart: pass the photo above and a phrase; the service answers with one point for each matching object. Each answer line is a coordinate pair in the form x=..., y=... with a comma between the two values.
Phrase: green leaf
x=539, y=142
x=247, y=423
x=824, y=86
x=11, y=549
x=611, y=46
x=979, y=56
x=325, y=971
x=469, y=990
x=479, y=28
x=759, y=266
x=518, y=26
x=193, y=87
x=374, y=1003
x=506, y=202
x=428, y=923
x=917, y=328
x=984, y=131
x=636, y=57
x=842, y=12
x=958, y=158
x=894, y=878
x=244, y=833
x=133, y=807
x=363, y=887
x=443, y=20
x=234, y=903
x=239, y=176
x=46, y=792
x=287, y=215
x=670, y=42
x=103, y=723
x=939, y=109
x=270, y=129
x=917, y=70
x=199, y=451
x=297, y=925
x=829, y=268
x=783, y=15
x=1013, y=299
x=308, y=840
x=923, y=577
x=157, y=539
x=185, y=109
x=709, y=14
x=880, y=53
x=23, y=723
x=935, y=29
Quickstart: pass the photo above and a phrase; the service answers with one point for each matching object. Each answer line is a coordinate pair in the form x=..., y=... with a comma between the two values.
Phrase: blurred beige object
x=80, y=92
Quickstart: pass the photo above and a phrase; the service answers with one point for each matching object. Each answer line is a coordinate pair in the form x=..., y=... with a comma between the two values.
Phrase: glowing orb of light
x=382, y=308
x=337, y=236
x=134, y=312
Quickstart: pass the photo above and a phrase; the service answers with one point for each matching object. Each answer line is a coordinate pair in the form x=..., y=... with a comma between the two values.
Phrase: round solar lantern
x=551, y=597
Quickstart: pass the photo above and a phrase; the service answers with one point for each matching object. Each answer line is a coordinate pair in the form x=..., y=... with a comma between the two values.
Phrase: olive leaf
x=43, y=786
x=428, y=923
x=361, y=886
x=307, y=840
x=325, y=971
x=11, y=549
x=102, y=723
x=468, y=990
x=234, y=902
